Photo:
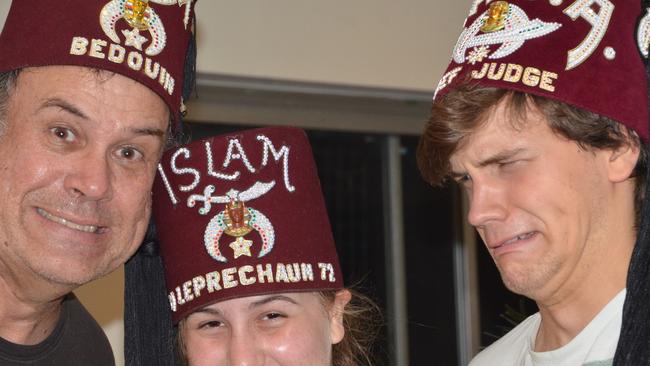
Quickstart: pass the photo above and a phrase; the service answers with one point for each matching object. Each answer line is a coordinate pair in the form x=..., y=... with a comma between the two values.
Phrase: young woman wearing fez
x=251, y=274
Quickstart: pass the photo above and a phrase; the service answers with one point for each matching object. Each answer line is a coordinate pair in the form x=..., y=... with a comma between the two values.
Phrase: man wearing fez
x=90, y=91
x=542, y=118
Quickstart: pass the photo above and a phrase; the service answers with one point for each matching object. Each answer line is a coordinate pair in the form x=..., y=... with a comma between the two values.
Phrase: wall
x=375, y=43
x=381, y=43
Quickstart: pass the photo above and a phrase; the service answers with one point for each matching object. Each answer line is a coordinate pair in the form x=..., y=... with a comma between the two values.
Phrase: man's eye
x=462, y=179
x=129, y=153
x=272, y=316
x=63, y=133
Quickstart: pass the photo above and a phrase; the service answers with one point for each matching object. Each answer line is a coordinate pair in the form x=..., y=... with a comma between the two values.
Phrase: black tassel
x=634, y=343
x=189, y=75
x=149, y=334
x=148, y=329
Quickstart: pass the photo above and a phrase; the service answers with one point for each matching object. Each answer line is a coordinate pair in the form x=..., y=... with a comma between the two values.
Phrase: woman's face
x=278, y=329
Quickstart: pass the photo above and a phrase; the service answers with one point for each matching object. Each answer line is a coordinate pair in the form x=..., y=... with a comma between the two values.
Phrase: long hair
x=361, y=320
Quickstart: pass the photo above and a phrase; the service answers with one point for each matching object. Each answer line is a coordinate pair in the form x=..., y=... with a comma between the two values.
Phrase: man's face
x=539, y=201
x=77, y=161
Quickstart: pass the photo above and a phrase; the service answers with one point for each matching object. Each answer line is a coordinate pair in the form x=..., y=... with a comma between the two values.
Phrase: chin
x=71, y=274
x=520, y=280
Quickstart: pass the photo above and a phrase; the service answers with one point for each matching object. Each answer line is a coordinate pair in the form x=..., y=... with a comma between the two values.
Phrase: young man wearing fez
x=89, y=94
x=542, y=118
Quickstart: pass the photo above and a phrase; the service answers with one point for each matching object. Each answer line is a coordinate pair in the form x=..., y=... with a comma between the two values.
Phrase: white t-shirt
x=595, y=345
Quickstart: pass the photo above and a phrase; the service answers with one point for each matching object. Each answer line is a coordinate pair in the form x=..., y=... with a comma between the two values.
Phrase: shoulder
x=83, y=335
x=512, y=347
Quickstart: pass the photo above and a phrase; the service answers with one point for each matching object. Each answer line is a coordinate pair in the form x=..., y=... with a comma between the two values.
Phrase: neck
x=584, y=293
x=563, y=321
x=29, y=306
x=571, y=300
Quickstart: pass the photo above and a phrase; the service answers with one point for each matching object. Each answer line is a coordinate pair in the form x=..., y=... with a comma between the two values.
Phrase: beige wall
x=377, y=43
x=384, y=43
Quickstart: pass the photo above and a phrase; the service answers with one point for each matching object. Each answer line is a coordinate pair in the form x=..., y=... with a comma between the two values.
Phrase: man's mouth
x=516, y=239
x=93, y=229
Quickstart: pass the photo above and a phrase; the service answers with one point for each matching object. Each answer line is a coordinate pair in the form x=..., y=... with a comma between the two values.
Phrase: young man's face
x=542, y=204
x=77, y=160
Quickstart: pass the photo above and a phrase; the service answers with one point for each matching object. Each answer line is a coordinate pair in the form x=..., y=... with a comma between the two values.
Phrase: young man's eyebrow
x=494, y=159
x=500, y=157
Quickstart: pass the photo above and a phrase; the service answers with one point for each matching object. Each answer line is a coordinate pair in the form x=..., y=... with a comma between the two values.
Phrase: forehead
x=306, y=299
x=94, y=91
x=503, y=128
x=52, y=78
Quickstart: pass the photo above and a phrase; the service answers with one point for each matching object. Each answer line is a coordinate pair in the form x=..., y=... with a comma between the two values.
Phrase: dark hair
x=7, y=83
x=361, y=321
x=456, y=115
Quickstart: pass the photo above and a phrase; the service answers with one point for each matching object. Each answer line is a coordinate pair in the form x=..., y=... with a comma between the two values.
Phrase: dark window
x=429, y=228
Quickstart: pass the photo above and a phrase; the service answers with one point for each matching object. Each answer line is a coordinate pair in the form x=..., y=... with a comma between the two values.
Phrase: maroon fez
x=582, y=53
x=145, y=40
x=241, y=215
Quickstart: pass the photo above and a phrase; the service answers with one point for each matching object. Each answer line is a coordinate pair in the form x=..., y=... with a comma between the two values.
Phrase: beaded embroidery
x=610, y=53
x=518, y=29
x=197, y=176
x=241, y=155
x=478, y=54
x=284, y=151
x=239, y=224
x=187, y=3
x=447, y=79
x=168, y=186
x=241, y=247
x=134, y=39
x=643, y=34
x=599, y=22
x=140, y=17
x=211, y=172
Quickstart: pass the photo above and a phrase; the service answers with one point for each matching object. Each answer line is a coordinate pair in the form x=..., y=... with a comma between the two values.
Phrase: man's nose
x=487, y=202
x=89, y=176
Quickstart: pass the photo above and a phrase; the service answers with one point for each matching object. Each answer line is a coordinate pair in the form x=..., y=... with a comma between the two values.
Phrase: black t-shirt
x=77, y=340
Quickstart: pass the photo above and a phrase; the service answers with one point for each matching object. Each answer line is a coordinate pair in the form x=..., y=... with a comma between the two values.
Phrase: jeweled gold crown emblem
x=496, y=17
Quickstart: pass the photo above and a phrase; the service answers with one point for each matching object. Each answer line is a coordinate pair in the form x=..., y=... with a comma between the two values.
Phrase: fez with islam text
x=240, y=215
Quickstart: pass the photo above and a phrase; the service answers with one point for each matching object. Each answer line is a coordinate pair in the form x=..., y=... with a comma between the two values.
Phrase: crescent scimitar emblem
x=139, y=15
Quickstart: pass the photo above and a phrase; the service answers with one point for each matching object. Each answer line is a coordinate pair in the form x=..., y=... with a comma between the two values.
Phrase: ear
x=622, y=161
x=336, y=312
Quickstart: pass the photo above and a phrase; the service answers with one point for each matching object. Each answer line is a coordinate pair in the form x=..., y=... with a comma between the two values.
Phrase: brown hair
x=460, y=112
x=361, y=321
